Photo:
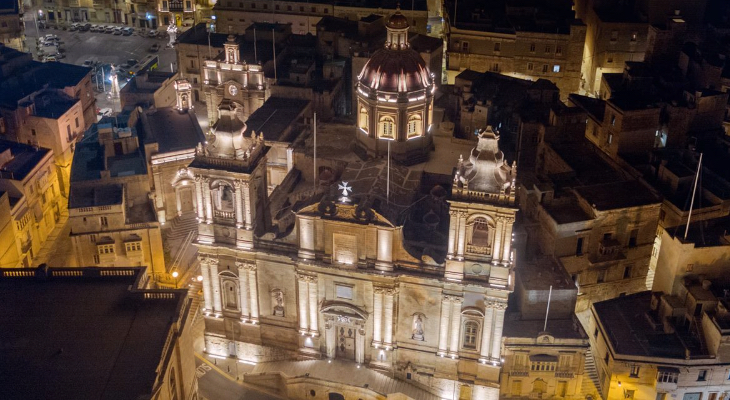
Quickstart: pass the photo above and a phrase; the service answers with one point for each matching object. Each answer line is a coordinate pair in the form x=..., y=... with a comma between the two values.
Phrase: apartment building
x=498, y=38
x=112, y=220
x=31, y=188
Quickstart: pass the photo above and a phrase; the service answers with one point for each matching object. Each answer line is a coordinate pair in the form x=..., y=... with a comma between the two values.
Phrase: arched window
x=364, y=119
x=414, y=125
x=230, y=294
x=223, y=197
x=539, y=386
x=173, y=384
x=387, y=127
x=480, y=233
x=471, y=329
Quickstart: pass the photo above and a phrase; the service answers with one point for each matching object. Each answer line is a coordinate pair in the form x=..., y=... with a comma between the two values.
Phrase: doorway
x=345, y=342
x=186, y=199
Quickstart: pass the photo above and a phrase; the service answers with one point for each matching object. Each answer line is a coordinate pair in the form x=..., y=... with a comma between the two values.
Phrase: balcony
x=519, y=371
x=568, y=374
x=224, y=214
x=481, y=250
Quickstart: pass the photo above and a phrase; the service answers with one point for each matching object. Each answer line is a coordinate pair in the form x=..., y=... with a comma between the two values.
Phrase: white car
x=103, y=112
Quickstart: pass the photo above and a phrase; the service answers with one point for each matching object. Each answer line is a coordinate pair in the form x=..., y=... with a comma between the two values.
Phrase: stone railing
x=482, y=250
x=224, y=214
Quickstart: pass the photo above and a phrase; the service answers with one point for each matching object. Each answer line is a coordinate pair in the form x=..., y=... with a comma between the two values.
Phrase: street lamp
x=175, y=274
x=200, y=278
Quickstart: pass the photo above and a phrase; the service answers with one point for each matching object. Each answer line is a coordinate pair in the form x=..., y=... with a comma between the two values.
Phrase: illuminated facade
x=395, y=99
x=232, y=79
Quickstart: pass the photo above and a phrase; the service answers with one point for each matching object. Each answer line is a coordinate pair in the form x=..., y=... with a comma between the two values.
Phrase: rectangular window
x=532, y=48
x=465, y=47
x=690, y=267
x=579, y=247
x=32, y=132
x=544, y=68
x=77, y=122
x=595, y=333
x=276, y=7
x=634, y=371
x=614, y=36
x=471, y=328
x=627, y=272
x=556, y=68
x=343, y=292
x=497, y=47
x=548, y=49
x=253, y=5
x=610, y=138
x=529, y=66
x=613, y=120
x=103, y=221
x=105, y=248
x=632, y=237
x=634, y=36
x=96, y=259
x=559, y=50
x=601, y=276
x=68, y=133
x=667, y=377
x=266, y=6
x=702, y=375
x=495, y=67
x=609, y=58
x=188, y=5
x=314, y=9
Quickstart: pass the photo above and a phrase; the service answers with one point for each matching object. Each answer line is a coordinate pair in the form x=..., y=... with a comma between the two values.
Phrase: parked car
x=94, y=28
x=130, y=63
x=109, y=29
x=103, y=112
x=49, y=59
x=127, y=31
x=152, y=33
x=88, y=63
x=117, y=31
x=50, y=36
x=84, y=27
x=155, y=48
x=74, y=27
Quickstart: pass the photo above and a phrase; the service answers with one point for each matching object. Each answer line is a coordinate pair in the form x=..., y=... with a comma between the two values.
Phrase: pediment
x=345, y=212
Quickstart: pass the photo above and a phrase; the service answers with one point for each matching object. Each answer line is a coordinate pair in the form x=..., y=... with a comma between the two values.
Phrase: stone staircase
x=650, y=278
x=181, y=226
x=591, y=384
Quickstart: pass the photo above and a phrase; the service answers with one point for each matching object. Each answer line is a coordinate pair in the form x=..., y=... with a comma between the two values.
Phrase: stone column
x=207, y=292
x=377, y=316
x=487, y=327
x=453, y=222
x=289, y=158
x=159, y=190
x=306, y=238
x=253, y=293
x=199, y=196
x=303, y=297
x=385, y=250
x=247, y=205
x=208, y=201
x=507, y=240
x=462, y=236
x=239, y=203
x=444, y=325
x=178, y=202
x=313, y=311
x=359, y=345
x=215, y=279
x=388, y=295
x=499, y=232
x=498, y=325
x=330, y=337
x=243, y=284
x=455, y=326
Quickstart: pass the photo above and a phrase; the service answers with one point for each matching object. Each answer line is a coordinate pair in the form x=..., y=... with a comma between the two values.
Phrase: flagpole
x=387, y=185
x=273, y=45
x=255, y=55
x=547, y=311
x=315, y=151
x=694, y=190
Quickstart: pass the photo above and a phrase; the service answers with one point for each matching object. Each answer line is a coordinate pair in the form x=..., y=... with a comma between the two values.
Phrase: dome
x=396, y=71
x=397, y=21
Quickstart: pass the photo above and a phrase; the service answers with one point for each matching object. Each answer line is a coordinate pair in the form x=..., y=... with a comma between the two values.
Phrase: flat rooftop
x=88, y=336
x=559, y=328
x=628, y=329
x=566, y=210
x=17, y=159
x=612, y=196
x=95, y=196
x=274, y=117
x=171, y=129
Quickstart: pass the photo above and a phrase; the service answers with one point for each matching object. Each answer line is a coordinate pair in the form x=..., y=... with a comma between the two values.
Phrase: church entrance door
x=346, y=341
x=186, y=200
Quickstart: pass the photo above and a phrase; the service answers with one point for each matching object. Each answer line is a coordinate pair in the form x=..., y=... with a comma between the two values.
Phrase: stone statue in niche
x=278, y=297
x=417, y=327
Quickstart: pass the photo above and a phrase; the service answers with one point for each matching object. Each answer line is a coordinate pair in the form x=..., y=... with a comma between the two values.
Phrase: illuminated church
x=352, y=261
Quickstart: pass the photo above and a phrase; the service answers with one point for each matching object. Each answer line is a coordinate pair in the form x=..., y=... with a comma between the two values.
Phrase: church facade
x=420, y=293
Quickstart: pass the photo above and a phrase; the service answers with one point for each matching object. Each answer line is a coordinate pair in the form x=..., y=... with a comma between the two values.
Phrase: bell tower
x=231, y=49
x=183, y=90
x=482, y=212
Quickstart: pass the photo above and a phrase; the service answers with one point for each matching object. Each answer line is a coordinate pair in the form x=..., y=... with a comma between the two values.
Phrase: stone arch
x=230, y=291
x=363, y=118
x=480, y=230
x=222, y=193
x=414, y=127
x=386, y=127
